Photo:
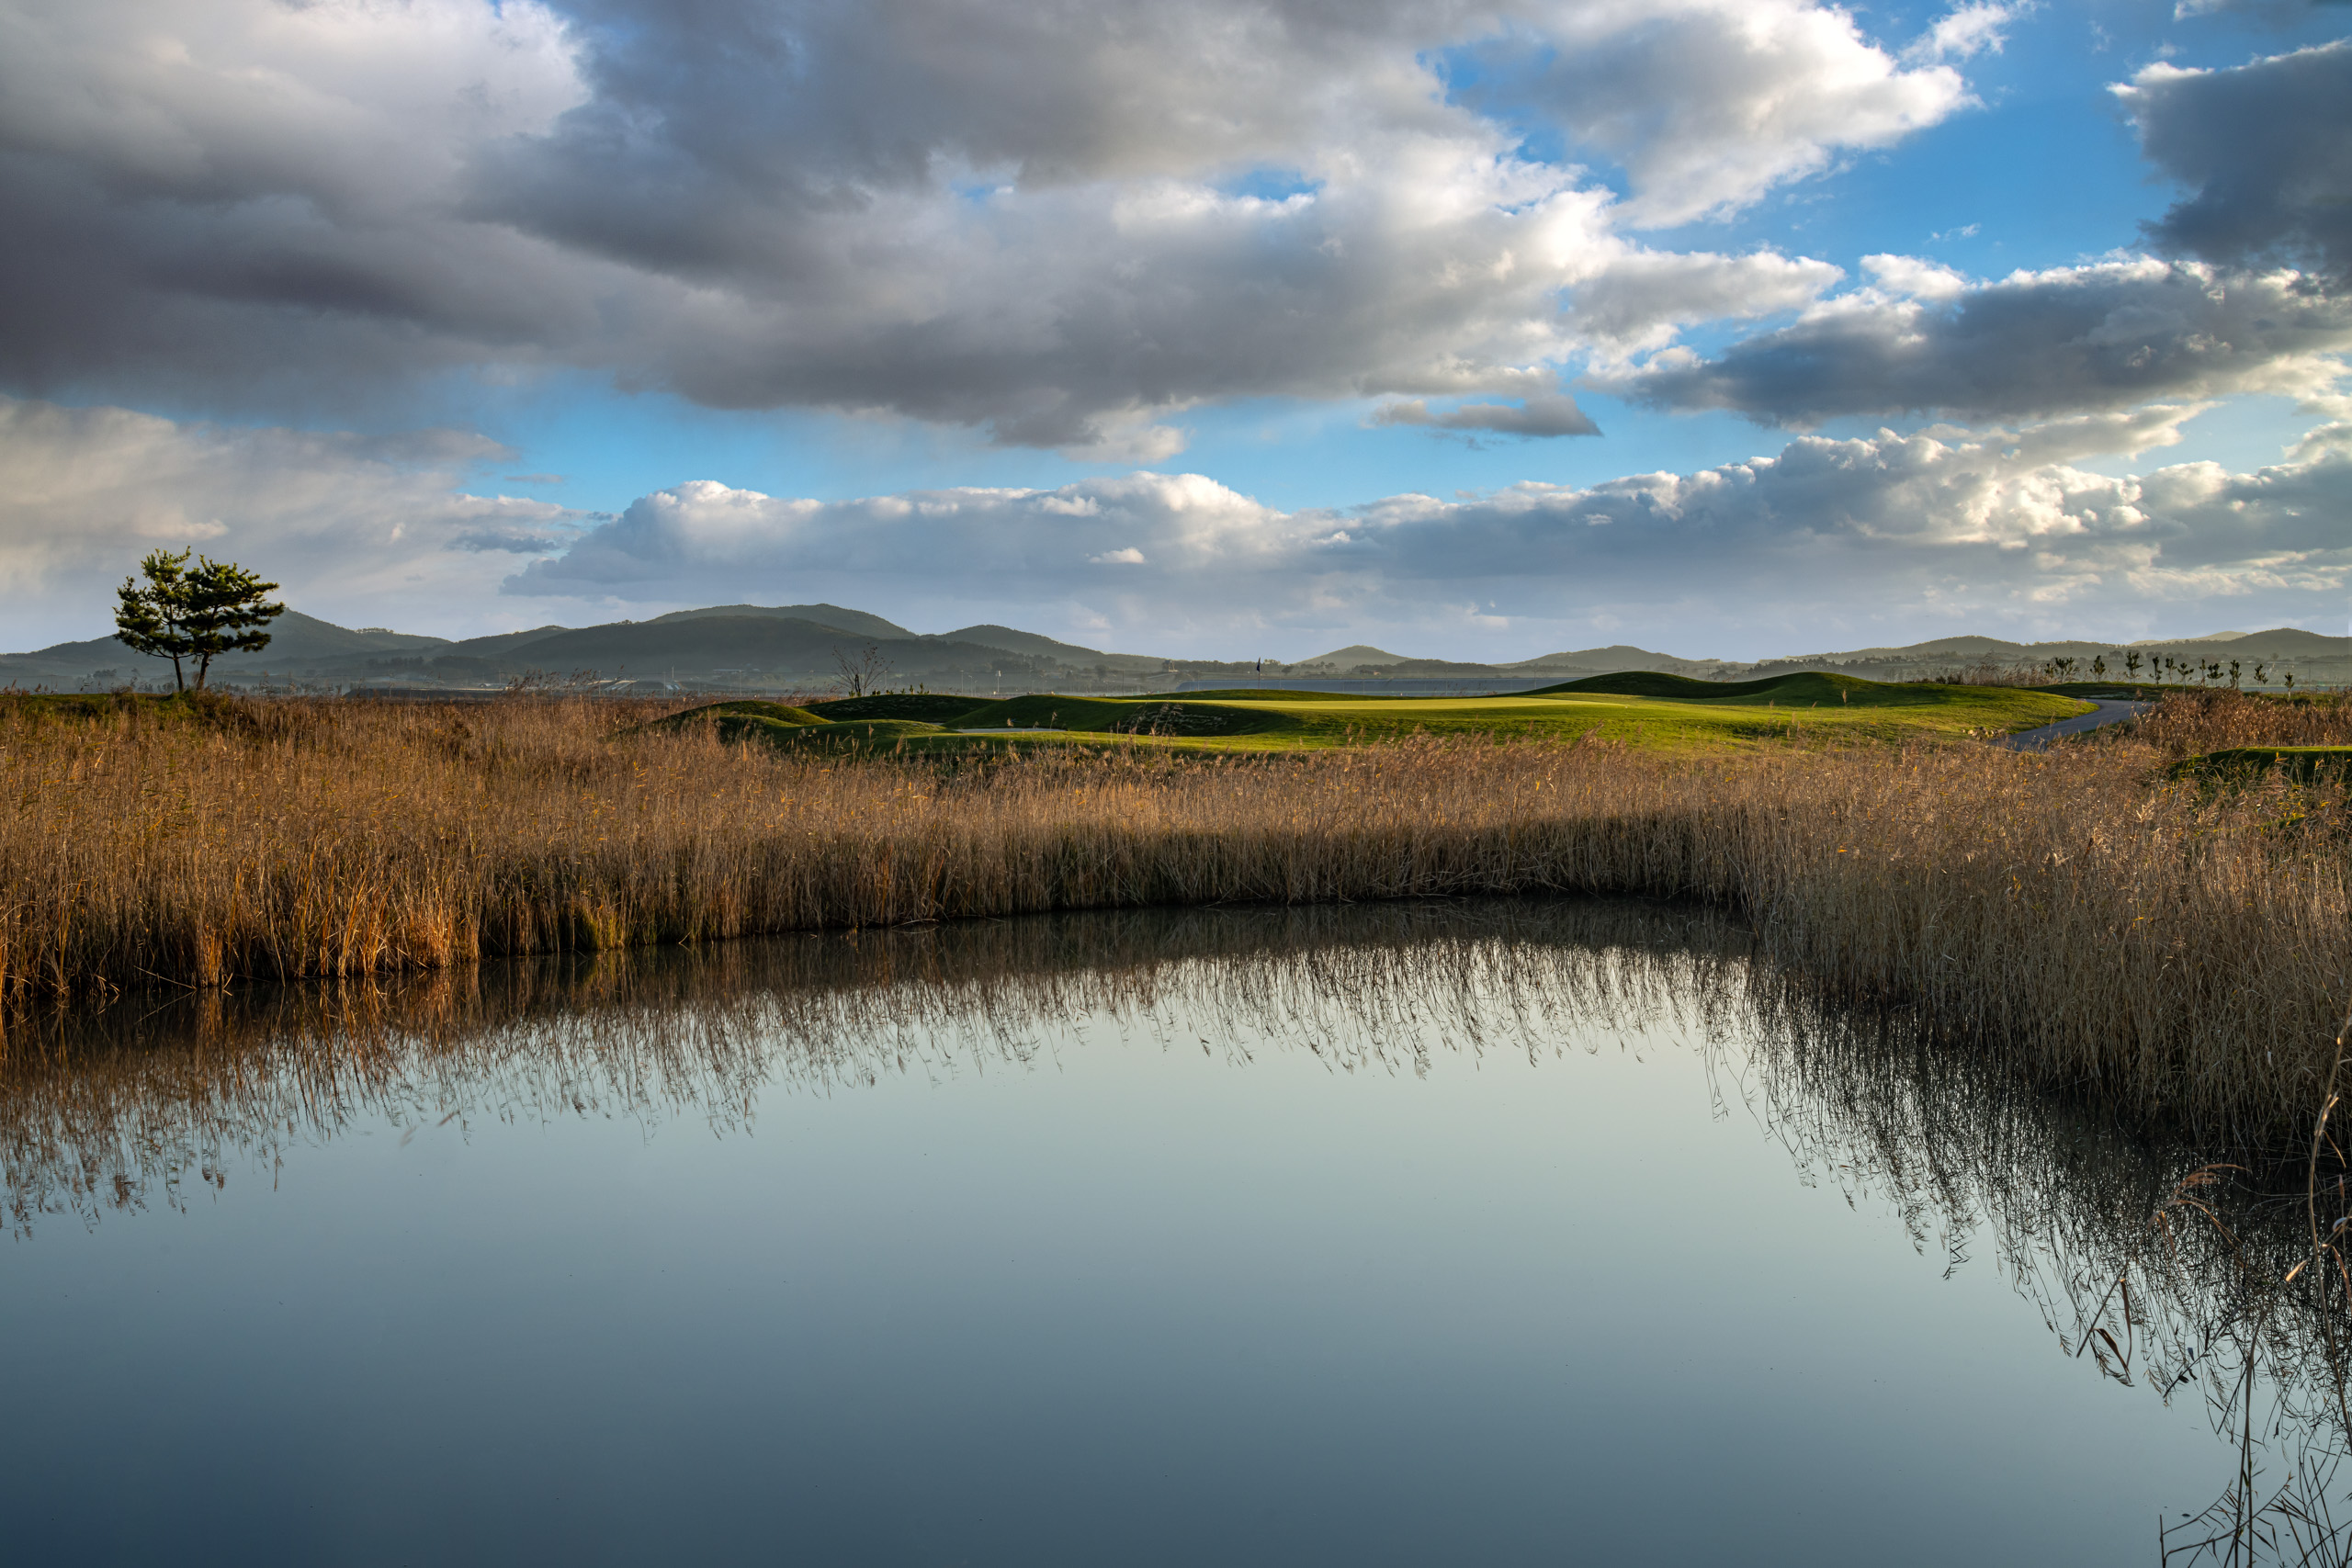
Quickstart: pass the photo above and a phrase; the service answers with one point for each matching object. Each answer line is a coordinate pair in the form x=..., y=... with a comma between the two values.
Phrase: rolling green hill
x=792, y=648
x=857, y=623
x=1658, y=712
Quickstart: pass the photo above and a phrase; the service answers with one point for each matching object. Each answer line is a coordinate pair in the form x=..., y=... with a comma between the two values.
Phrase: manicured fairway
x=1654, y=712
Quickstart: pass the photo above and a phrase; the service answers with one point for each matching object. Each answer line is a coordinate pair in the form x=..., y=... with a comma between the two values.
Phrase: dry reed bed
x=2169, y=951
x=2197, y=722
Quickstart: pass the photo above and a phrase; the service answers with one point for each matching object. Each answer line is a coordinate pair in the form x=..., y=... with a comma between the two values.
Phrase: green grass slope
x=1127, y=716
x=925, y=707
x=776, y=713
x=1650, y=710
x=1803, y=689
x=1698, y=716
x=2305, y=765
x=856, y=735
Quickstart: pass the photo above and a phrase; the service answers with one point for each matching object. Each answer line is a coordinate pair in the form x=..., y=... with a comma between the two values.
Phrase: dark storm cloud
x=1059, y=222
x=1540, y=415
x=2105, y=336
x=2266, y=149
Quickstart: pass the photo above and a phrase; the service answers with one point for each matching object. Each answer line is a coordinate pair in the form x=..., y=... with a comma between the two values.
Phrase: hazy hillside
x=296, y=639
x=1031, y=643
x=740, y=644
x=1620, y=656
x=2315, y=656
x=799, y=648
x=856, y=622
x=1356, y=655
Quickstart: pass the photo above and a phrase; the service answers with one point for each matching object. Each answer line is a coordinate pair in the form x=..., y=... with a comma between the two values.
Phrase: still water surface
x=1498, y=1233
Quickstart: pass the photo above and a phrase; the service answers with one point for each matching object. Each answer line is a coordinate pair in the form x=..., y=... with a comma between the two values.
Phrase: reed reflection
x=2172, y=1272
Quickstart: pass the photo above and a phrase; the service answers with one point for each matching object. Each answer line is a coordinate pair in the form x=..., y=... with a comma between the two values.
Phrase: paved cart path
x=2106, y=711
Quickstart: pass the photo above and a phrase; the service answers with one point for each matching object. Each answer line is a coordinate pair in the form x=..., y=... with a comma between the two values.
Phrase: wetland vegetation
x=2172, y=944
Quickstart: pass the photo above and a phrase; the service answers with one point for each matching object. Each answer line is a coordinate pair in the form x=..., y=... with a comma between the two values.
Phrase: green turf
x=857, y=735
x=750, y=707
x=1802, y=690
x=1638, y=708
x=2305, y=765
x=208, y=707
x=1810, y=707
x=85, y=705
x=925, y=707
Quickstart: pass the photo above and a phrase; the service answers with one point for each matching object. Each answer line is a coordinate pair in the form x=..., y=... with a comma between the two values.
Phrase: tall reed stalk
x=2172, y=952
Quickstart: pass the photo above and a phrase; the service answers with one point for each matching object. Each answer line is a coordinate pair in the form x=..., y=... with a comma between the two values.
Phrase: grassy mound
x=2305, y=765
x=877, y=734
x=2134, y=691
x=775, y=713
x=1287, y=694
x=1126, y=715
x=923, y=708
x=1804, y=688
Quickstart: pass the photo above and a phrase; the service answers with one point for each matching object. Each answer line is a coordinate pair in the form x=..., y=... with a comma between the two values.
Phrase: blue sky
x=458, y=317
x=1974, y=192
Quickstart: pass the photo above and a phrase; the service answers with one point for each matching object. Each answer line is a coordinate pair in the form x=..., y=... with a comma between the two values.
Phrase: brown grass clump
x=2195, y=723
x=2172, y=950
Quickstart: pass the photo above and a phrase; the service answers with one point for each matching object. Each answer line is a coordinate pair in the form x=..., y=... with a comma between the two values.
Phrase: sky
x=1728, y=328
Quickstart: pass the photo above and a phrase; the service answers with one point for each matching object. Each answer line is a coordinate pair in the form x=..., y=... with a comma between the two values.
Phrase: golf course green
x=1642, y=709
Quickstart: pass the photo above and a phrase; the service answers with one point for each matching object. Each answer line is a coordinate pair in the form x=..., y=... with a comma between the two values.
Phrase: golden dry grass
x=2171, y=950
x=2195, y=723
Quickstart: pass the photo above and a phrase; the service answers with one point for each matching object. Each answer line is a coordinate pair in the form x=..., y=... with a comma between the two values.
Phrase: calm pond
x=1488, y=1233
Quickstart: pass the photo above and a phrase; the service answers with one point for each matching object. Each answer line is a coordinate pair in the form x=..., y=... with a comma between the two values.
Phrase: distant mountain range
x=813, y=647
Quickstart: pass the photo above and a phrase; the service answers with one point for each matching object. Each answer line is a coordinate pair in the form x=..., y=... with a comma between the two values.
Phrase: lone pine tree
x=192, y=613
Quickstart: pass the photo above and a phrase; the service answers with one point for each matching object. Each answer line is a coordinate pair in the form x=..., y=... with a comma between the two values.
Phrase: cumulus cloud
x=1050, y=222
x=1966, y=32
x=2101, y=336
x=1638, y=299
x=2267, y=149
x=1552, y=414
x=2251, y=298
x=1709, y=104
x=1888, y=537
x=344, y=522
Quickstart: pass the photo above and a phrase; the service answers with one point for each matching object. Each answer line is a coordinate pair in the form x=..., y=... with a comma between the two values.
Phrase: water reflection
x=114, y=1108
x=2173, y=1276
x=2170, y=1271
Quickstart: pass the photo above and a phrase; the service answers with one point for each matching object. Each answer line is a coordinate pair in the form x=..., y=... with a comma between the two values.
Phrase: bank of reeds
x=2169, y=949
x=2195, y=723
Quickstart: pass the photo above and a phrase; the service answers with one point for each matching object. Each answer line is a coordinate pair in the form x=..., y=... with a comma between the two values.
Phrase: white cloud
x=346, y=523
x=1895, y=537
x=1029, y=219
x=1966, y=32
x=1889, y=537
x=1710, y=104
x=1636, y=301
x=1910, y=277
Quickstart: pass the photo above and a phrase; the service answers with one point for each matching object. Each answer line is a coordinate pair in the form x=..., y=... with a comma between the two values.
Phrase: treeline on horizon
x=803, y=648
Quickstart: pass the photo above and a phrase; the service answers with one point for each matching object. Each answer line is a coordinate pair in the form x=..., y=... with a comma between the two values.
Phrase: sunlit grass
x=1658, y=713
